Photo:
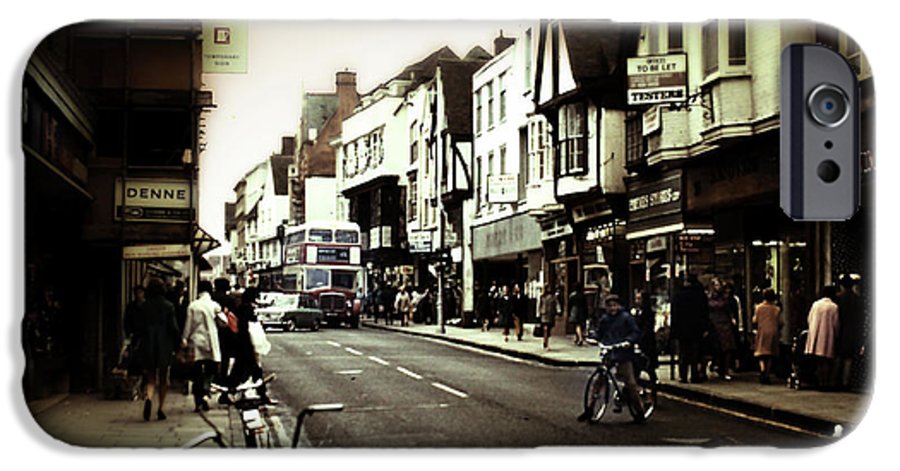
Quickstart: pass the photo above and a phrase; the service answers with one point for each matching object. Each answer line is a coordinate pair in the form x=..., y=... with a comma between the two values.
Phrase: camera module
x=828, y=105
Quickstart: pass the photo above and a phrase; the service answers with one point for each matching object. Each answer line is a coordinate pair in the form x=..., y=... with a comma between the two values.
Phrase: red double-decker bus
x=324, y=259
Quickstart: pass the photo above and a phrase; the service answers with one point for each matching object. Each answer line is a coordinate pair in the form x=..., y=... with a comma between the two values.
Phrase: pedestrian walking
x=403, y=306
x=767, y=319
x=133, y=314
x=549, y=310
x=723, y=326
x=505, y=310
x=201, y=336
x=246, y=361
x=483, y=309
x=645, y=318
x=850, y=342
x=157, y=336
x=578, y=312
x=690, y=325
x=823, y=331
x=519, y=310
x=227, y=340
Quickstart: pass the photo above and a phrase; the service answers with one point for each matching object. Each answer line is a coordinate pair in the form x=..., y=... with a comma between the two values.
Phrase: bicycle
x=252, y=407
x=603, y=388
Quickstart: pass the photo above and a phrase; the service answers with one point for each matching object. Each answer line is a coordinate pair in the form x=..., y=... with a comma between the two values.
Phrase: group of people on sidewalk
x=704, y=327
x=215, y=340
x=402, y=302
x=504, y=306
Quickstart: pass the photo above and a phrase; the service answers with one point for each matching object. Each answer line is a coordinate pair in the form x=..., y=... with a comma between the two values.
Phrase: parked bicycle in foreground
x=251, y=407
x=604, y=388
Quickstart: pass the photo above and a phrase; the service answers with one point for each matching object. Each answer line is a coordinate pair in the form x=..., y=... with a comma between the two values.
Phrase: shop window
x=572, y=141
x=710, y=47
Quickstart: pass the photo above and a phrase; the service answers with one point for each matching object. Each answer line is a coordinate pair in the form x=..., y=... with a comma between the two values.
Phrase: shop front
x=508, y=251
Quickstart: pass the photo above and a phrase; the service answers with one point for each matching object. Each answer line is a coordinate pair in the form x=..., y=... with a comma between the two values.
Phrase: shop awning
x=203, y=242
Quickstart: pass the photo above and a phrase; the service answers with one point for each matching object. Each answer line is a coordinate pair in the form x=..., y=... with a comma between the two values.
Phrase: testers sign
x=657, y=79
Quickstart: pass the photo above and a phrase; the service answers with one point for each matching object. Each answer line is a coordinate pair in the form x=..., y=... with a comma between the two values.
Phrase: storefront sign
x=406, y=270
x=655, y=206
x=733, y=179
x=420, y=241
x=503, y=189
x=136, y=252
x=509, y=236
x=152, y=200
x=657, y=79
x=225, y=47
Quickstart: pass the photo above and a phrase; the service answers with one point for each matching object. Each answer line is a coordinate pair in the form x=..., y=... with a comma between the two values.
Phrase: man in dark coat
x=226, y=336
x=690, y=324
x=158, y=336
x=850, y=340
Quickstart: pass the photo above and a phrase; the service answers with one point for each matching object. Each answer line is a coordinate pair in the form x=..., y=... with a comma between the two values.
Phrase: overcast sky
x=256, y=109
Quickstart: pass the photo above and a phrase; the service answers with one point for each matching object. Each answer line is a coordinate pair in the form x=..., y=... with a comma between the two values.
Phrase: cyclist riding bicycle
x=616, y=327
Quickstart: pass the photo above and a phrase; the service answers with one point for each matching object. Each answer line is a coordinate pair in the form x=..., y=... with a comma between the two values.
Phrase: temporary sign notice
x=657, y=79
x=225, y=47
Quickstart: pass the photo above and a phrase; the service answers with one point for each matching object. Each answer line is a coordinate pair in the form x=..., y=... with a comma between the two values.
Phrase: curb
x=490, y=348
x=806, y=423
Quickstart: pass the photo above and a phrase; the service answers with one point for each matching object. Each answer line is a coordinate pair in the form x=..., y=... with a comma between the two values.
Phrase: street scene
x=514, y=234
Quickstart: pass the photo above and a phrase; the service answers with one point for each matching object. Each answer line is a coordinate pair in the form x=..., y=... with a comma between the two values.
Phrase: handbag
x=258, y=338
x=184, y=356
x=538, y=330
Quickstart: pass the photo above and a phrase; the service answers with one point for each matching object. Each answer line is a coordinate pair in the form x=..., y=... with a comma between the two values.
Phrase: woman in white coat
x=823, y=330
x=201, y=337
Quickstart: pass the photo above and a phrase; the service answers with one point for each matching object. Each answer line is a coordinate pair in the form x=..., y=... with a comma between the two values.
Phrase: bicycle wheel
x=596, y=395
x=647, y=386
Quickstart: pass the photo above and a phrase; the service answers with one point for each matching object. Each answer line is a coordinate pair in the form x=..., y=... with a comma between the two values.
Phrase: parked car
x=289, y=312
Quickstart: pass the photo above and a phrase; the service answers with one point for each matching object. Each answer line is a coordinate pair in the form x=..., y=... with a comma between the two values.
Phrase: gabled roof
x=599, y=49
x=456, y=82
x=421, y=71
x=317, y=109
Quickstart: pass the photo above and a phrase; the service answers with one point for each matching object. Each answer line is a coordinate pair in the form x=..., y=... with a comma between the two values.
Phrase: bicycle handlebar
x=243, y=387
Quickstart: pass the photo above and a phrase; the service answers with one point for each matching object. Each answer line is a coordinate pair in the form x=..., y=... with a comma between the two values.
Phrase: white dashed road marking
x=333, y=344
x=350, y=372
x=379, y=361
x=355, y=352
x=408, y=373
x=450, y=390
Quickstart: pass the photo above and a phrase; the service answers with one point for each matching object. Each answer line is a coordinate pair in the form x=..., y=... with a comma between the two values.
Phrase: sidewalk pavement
x=88, y=420
x=812, y=411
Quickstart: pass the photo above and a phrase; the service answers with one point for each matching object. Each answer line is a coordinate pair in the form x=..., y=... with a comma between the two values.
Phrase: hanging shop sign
x=690, y=243
x=152, y=200
x=657, y=79
x=225, y=47
x=652, y=120
x=503, y=189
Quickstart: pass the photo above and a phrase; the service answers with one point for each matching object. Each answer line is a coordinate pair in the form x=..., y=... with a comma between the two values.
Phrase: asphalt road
x=403, y=391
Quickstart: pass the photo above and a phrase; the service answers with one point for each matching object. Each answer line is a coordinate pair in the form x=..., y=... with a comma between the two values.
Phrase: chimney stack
x=501, y=43
x=345, y=85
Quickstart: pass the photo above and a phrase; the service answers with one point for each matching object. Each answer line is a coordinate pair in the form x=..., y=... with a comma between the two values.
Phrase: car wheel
x=290, y=326
x=315, y=325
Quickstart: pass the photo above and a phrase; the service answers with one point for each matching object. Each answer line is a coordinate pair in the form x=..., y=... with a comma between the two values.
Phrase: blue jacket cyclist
x=617, y=326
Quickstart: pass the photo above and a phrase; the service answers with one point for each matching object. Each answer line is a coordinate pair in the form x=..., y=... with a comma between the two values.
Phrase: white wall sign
x=153, y=200
x=652, y=120
x=420, y=241
x=135, y=252
x=503, y=189
x=225, y=47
